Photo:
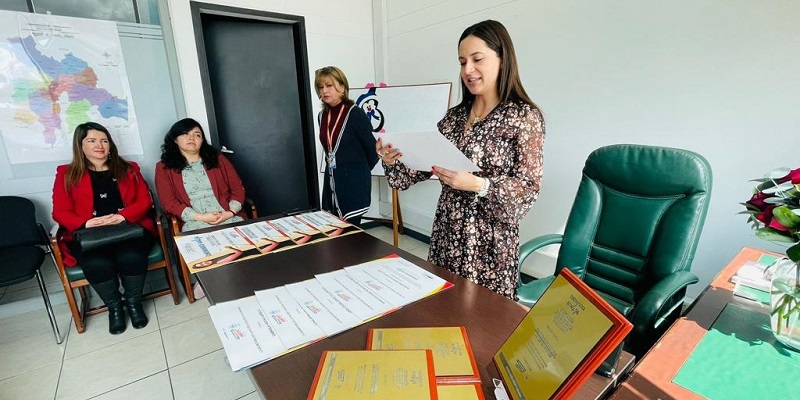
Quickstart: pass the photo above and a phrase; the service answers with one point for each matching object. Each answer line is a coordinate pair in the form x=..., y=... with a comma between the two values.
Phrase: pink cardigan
x=224, y=182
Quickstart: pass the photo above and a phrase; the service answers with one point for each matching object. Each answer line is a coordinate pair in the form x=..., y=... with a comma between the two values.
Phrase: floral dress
x=478, y=237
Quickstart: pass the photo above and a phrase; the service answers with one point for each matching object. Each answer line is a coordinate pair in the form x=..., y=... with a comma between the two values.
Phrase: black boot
x=133, y=285
x=109, y=292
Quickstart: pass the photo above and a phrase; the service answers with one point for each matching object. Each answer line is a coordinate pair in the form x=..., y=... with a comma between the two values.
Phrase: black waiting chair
x=23, y=245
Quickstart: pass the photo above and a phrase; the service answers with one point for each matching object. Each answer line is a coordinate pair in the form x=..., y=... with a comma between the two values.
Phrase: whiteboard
x=403, y=109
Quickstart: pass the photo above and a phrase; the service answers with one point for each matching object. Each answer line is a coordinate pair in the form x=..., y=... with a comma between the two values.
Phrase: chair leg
x=77, y=316
x=84, y=307
x=168, y=257
x=171, y=281
x=48, y=306
x=187, y=282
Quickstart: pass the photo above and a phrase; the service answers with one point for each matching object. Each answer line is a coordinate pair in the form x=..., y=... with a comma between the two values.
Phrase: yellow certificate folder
x=373, y=375
x=564, y=338
x=461, y=392
x=453, y=359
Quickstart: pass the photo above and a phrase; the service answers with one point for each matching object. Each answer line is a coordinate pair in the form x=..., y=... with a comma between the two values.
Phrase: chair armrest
x=537, y=243
x=651, y=307
x=56, y=252
x=159, y=217
x=529, y=293
x=174, y=225
x=250, y=208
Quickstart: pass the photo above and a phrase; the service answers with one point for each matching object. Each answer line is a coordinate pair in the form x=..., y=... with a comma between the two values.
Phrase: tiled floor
x=153, y=363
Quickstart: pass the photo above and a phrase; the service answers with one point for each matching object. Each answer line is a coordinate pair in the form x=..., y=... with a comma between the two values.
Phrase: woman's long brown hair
x=79, y=165
x=509, y=84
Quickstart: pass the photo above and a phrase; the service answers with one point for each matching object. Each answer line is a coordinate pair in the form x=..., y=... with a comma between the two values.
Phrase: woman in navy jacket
x=346, y=136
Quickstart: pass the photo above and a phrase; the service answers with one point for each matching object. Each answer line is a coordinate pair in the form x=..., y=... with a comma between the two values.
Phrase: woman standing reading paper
x=98, y=188
x=346, y=136
x=476, y=228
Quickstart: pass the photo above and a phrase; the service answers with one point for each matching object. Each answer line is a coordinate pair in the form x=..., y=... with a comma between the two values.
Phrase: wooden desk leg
x=399, y=216
x=395, y=216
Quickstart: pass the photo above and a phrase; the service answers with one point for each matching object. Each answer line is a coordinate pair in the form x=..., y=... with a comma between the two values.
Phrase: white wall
x=718, y=77
x=338, y=33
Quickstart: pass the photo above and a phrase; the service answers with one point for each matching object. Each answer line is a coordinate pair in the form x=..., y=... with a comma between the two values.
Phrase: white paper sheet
x=330, y=315
x=372, y=276
x=245, y=334
x=351, y=295
x=423, y=150
x=275, y=321
x=261, y=230
x=287, y=318
x=418, y=281
x=195, y=247
x=296, y=229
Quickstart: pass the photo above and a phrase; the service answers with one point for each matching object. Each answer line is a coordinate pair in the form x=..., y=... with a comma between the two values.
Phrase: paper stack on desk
x=754, y=275
x=282, y=319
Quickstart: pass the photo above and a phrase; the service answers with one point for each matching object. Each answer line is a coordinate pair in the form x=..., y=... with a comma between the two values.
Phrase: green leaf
x=793, y=252
x=775, y=200
x=777, y=173
x=779, y=188
x=773, y=235
x=765, y=185
x=786, y=217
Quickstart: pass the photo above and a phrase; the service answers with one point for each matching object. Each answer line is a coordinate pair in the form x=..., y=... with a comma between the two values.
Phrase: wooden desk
x=652, y=377
x=488, y=317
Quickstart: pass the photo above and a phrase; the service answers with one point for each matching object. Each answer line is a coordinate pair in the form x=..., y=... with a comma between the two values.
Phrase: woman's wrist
x=484, y=188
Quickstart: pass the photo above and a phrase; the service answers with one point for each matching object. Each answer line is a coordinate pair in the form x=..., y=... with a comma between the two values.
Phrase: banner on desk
x=209, y=250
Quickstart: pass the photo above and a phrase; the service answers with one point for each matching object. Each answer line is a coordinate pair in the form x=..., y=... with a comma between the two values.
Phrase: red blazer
x=224, y=182
x=73, y=207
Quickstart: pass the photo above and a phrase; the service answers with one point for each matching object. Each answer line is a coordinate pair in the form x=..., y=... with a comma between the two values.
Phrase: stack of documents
x=457, y=375
x=204, y=251
x=279, y=320
x=754, y=275
x=362, y=375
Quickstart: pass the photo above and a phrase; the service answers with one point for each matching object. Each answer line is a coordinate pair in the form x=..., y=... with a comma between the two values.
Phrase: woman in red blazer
x=195, y=182
x=99, y=188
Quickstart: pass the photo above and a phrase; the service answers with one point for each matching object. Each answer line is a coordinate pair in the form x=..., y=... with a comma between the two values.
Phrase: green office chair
x=632, y=233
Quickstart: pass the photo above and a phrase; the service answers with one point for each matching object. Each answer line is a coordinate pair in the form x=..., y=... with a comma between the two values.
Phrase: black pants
x=125, y=258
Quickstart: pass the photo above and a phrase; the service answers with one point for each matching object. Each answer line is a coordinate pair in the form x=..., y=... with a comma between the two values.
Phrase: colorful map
x=56, y=73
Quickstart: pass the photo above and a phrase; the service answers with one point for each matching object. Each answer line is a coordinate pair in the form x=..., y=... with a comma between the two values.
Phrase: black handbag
x=87, y=239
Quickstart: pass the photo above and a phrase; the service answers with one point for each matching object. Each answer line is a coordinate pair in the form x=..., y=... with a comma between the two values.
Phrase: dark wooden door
x=257, y=96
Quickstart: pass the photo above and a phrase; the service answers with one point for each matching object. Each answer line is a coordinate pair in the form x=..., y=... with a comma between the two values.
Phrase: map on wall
x=56, y=73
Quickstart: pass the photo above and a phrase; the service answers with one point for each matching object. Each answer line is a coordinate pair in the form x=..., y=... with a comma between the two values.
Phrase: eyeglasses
x=325, y=70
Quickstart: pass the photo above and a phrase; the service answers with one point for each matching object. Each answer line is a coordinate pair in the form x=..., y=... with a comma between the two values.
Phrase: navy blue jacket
x=346, y=192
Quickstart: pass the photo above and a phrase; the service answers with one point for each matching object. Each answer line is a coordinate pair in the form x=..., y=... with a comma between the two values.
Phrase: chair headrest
x=648, y=170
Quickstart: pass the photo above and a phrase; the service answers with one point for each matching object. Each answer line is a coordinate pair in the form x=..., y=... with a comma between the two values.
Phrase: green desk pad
x=753, y=294
x=767, y=259
x=739, y=358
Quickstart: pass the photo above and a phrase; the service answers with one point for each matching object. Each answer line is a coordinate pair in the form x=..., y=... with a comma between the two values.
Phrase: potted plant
x=774, y=211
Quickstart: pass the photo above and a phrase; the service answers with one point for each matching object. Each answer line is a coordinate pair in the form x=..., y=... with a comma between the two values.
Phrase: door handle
x=225, y=150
